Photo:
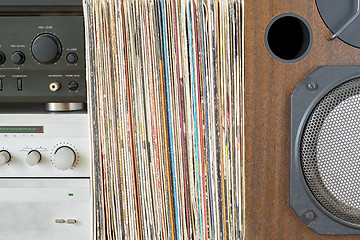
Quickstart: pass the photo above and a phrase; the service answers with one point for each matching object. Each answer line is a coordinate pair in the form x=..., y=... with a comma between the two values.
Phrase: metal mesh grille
x=330, y=152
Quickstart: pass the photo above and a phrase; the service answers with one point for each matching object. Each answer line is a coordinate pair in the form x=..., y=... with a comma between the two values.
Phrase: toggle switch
x=19, y=84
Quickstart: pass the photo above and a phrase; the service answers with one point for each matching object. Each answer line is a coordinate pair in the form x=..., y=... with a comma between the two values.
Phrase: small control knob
x=46, y=48
x=33, y=158
x=72, y=58
x=18, y=57
x=4, y=157
x=64, y=158
x=2, y=58
x=73, y=85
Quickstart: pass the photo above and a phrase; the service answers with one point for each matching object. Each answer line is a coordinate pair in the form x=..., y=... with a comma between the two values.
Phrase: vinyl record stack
x=165, y=92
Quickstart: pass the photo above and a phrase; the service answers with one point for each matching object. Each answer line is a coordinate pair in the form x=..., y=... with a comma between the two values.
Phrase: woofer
x=325, y=150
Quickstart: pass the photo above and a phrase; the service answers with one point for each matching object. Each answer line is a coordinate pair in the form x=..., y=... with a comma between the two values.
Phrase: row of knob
x=46, y=49
x=64, y=157
x=18, y=58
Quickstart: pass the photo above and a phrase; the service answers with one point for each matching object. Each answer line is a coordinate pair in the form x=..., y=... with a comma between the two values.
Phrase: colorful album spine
x=166, y=100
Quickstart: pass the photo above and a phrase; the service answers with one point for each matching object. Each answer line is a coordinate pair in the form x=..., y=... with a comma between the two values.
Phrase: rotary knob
x=33, y=158
x=64, y=158
x=46, y=48
x=73, y=85
x=4, y=157
x=2, y=58
x=18, y=57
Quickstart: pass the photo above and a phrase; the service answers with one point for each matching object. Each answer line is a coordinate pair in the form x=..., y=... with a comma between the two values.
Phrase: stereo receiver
x=45, y=167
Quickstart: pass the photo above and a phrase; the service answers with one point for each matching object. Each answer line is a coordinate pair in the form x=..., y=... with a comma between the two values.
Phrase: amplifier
x=44, y=145
x=45, y=162
x=42, y=59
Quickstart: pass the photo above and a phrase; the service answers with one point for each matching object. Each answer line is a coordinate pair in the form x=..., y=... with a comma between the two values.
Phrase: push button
x=1, y=84
x=59, y=220
x=71, y=221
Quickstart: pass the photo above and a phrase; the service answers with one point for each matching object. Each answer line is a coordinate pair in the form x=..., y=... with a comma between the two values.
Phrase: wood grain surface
x=268, y=85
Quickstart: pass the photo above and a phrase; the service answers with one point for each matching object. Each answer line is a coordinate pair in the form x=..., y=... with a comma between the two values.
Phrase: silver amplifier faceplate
x=45, y=209
x=20, y=134
x=45, y=190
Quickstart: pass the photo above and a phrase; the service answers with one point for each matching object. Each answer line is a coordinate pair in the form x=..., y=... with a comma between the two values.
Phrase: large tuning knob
x=46, y=48
x=4, y=157
x=64, y=158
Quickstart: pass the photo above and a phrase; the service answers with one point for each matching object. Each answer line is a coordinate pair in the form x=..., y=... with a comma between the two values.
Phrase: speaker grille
x=330, y=152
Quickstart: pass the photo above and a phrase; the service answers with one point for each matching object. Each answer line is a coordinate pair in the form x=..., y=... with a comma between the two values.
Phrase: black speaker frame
x=303, y=100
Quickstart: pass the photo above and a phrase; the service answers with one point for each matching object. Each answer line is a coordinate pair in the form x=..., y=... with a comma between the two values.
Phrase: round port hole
x=288, y=38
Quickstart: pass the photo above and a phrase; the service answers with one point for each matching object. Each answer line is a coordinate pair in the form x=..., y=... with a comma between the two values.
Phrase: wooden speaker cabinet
x=269, y=83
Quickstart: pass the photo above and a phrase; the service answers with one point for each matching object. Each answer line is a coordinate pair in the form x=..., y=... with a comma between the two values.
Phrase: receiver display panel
x=21, y=129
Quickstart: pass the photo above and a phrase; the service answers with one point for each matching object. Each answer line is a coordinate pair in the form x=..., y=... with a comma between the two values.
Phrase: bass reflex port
x=288, y=38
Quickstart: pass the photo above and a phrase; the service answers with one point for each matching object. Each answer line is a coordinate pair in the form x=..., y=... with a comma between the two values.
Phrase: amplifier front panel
x=37, y=209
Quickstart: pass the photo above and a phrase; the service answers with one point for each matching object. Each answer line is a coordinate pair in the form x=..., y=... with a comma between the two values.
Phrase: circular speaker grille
x=330, y=152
